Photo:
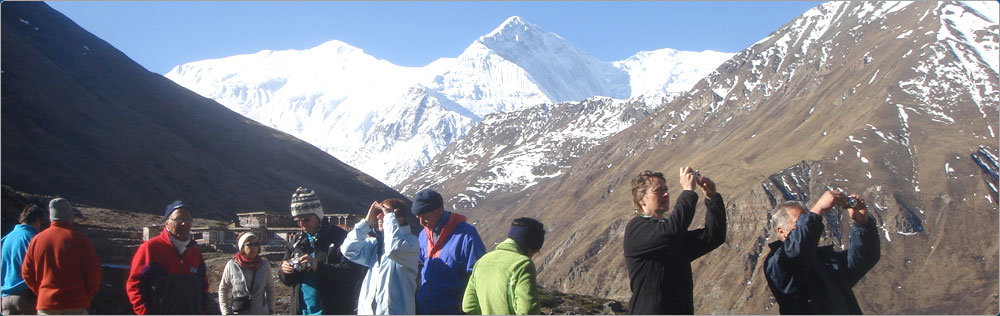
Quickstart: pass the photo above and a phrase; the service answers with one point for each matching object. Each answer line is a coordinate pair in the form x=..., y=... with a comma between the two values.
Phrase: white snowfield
x=389, y=121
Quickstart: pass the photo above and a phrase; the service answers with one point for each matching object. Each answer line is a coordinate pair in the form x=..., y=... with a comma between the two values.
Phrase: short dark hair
x=529, y=223
x=31, y=213
x=402, y=211
x=640, y=183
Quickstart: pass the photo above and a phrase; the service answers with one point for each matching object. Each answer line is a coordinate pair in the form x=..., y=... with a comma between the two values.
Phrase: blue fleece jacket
x=14, y=245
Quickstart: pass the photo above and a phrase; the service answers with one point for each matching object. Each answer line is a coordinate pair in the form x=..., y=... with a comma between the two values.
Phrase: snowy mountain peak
x=340, y=47
x=356, y=106
x=513, y=29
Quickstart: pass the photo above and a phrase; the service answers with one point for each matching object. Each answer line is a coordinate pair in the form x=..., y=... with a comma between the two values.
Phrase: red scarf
x=246, y=263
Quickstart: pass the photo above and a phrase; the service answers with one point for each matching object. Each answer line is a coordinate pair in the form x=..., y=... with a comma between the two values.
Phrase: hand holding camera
x=303, y=263
x=706, y=185
x=857, y=209
x=827, y=201
x=688, y=178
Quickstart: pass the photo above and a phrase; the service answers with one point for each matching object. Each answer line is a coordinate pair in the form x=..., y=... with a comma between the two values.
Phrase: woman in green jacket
x=503, y=280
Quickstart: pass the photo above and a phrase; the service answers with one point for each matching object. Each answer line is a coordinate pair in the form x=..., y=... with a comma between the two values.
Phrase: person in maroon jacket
x=659, y=248
x=168, y=271
x=61, y=266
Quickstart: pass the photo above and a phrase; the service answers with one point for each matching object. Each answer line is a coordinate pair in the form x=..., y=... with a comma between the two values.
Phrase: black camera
x=852, y=202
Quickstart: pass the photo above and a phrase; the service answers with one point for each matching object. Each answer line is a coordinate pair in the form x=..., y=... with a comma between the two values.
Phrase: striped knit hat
x=305, y=201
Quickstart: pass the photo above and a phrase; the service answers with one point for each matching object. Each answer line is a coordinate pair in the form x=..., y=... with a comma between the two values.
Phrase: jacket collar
x=63, y=224
x=435, y=247
x=775, y=245
x=510, y=245
x=164, y=237
x=27, y=228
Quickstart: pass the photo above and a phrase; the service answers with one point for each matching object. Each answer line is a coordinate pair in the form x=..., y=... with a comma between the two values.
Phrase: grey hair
x=780, y=216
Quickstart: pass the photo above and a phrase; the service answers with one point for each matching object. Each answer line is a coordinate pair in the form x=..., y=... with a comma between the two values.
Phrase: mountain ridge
x=493, y=74
x=860, y=97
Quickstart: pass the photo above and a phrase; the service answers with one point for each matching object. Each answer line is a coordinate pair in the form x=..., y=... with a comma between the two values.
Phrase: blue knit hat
x=173, y=206
x=528, y=232
x=426, y=201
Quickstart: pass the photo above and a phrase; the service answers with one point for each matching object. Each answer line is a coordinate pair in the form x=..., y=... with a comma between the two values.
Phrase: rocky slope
x=891, y=100
x=508, y=153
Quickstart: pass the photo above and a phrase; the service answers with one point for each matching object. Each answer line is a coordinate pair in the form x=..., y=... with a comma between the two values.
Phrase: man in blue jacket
x=449, y=248
x=807, y=279
x=17, y=298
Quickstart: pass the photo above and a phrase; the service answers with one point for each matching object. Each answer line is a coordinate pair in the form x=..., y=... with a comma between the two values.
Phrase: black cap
x=426, y=201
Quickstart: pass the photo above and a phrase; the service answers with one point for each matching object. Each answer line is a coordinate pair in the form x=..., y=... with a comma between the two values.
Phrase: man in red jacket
x=168, y=271
x=61, y=265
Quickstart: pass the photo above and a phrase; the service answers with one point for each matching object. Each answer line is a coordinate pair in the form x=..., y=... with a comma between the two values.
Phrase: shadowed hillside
x=83, y=121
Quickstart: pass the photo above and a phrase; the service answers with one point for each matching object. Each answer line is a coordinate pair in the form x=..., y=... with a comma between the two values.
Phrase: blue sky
x=160, y=35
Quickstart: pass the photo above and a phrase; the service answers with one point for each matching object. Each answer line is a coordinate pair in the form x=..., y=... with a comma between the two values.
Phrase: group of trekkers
x=380, y=267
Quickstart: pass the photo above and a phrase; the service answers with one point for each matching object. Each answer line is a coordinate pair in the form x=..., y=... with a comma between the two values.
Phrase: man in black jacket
x=325, y=282
x=659, y=250
x=807, y=279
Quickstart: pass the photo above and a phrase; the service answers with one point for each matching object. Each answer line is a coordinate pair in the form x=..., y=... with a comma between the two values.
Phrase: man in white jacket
x=384, y=243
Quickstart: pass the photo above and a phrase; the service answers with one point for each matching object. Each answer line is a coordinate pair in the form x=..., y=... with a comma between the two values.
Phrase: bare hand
x=708, y=186
x=372, y=217
x=829, y=199
x=860, y=211
x=308, y=262
x=287, y=268
x=688, y=179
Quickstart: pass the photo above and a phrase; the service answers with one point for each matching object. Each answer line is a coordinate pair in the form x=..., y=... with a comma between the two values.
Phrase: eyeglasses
x=252, y=244
x=180, y=219
x=302, y=219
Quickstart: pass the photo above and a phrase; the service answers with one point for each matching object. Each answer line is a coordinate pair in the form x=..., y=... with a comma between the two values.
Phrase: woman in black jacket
x=659, y=249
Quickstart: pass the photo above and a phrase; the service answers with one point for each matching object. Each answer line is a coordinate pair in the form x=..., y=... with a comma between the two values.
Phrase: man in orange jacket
x=61, y=265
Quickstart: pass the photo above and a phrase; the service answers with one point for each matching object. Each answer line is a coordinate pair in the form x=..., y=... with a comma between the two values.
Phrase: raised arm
x=699, y=242
x=357, y=246
x=400, y=244
x=865, y=249
x=647, y=236
x=795, y=254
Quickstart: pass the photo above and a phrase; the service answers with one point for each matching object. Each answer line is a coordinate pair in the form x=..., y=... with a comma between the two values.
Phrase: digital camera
x=852, y=202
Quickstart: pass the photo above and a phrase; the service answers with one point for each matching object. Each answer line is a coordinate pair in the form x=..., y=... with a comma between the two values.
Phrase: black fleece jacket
x=338, y=279
x=658, y=254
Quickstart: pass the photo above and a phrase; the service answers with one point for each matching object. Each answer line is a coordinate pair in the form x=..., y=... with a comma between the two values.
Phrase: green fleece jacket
x=502, y=283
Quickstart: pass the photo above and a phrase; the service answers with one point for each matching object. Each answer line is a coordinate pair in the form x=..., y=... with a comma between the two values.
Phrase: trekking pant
x=19, y=304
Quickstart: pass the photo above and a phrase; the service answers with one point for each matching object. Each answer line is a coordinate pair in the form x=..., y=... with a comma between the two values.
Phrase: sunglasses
x=252, y=244
x=302, y=219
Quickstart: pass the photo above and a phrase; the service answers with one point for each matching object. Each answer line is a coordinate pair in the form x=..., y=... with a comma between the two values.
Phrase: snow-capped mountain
x=668, y=71
x=894, y=101
x=389, y=121
x=509, y=152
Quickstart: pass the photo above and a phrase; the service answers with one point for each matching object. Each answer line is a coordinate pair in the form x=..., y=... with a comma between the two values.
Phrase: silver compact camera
x=297, y=264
